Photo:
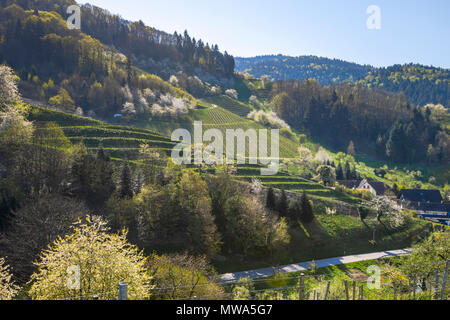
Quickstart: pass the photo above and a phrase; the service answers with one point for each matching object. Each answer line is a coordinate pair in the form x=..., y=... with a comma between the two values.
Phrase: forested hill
x=156, y=51
x=110, y=66
x=325, y=71
x=421, y=84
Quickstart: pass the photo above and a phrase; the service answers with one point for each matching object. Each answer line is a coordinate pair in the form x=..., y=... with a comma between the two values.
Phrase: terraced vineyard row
x=231, y=105
x=219, y=118
x=293, y=184
x=122, y=142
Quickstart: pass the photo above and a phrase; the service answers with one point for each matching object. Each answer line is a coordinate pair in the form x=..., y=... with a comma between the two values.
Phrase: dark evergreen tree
x=295, y=211
x=103, y=184
x=307, y=214
x=339, y=172
x=126, y=184
x=283, y=205
x=347, y=171
x=270, y=199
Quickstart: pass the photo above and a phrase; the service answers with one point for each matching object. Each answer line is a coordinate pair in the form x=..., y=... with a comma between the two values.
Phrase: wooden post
x=361, y=292
x=354, y=289
x=327, y=290
x=409, y=288
x=395, y=291
x=347, y=296
x=301, y=289
x=123, y=291
x=436, y=284
x=444, y=281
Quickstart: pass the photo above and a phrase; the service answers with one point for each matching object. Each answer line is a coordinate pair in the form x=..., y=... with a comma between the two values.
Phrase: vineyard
x=231, y=105
x=123, y=142
x=217, y=117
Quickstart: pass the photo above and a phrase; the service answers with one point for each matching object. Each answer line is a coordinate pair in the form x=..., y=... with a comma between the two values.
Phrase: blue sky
x=411, y=30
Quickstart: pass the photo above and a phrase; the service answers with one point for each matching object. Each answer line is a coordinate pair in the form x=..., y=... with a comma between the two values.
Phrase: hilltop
x=420, y=84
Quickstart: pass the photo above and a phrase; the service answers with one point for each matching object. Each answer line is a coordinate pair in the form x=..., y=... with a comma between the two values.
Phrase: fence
x=311, y=287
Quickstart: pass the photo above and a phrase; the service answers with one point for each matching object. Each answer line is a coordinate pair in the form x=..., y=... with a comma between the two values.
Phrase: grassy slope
x=334, y=236
x=121, y=142
x=398, y=174
x=328, y=236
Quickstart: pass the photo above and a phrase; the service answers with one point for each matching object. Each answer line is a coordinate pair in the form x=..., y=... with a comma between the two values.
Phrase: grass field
x=334, y=236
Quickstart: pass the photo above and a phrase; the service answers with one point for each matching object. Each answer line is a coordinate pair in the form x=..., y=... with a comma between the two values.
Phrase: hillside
x=279, y=67
x=333, y=234
x=420, y=84
x=90, y=181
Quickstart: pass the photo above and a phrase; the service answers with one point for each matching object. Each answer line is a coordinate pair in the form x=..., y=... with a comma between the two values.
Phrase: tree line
x=47, y=184
x=361, y=119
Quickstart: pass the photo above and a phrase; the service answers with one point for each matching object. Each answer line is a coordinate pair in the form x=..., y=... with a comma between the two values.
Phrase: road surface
x=268, y=272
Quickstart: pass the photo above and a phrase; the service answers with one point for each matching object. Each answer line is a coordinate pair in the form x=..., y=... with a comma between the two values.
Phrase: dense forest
x=378, y=123
x=79, y=73
x=158, y=51
x=47, y=183
x=420, y=84
x=325, y=71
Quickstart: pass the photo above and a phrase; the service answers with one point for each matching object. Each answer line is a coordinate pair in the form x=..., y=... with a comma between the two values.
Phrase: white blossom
x=268, y=118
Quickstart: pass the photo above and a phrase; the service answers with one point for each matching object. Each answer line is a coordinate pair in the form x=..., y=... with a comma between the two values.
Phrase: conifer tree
x=307, y=214
x=339, y=172
x=126, y=187
x=295, y=211
x=270, y=201
x=283, y=206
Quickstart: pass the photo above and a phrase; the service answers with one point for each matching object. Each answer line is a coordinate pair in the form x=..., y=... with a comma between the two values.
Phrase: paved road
x=267, y=272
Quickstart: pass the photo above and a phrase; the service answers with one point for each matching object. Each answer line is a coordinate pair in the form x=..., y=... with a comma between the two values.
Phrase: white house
x=376, y=187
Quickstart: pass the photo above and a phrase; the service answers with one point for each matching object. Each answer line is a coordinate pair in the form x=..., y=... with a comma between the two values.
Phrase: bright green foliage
x=103, y=260
x=426, y=257
x=7, y=287
x=62, y=101
x=183, y=277
x=327, y=175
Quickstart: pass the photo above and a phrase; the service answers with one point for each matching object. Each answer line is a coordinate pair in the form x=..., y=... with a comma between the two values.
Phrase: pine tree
x=102, y=185
x=129, y=70
x=270, y=201
x=126, y=188
x=347, y=171
x=339, y=172
x=295, y=211
x=283, y=205
x=307, y=214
